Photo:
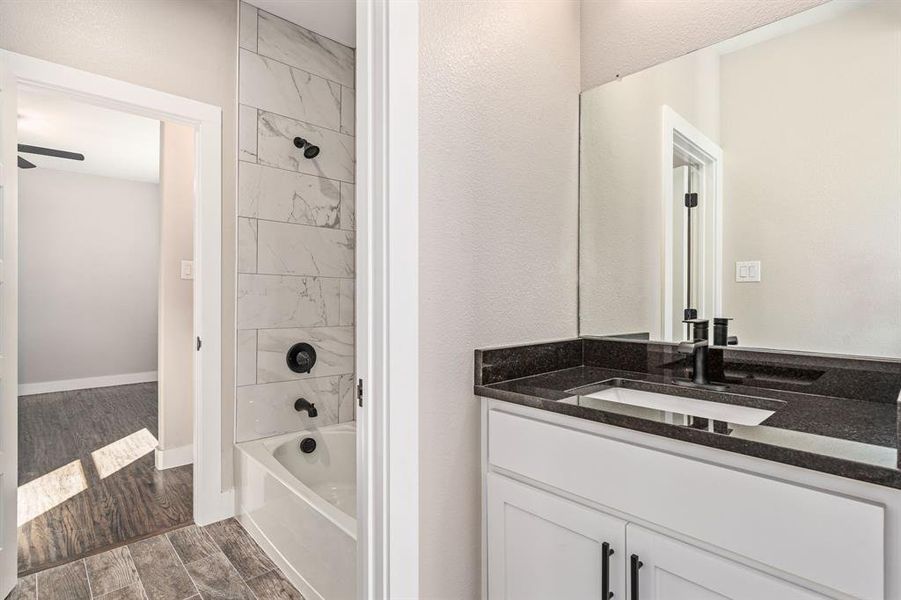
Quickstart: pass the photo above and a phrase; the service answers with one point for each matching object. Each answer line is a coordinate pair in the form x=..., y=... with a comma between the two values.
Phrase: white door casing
x=387, y=301
x=211, y=501
x=8, y=329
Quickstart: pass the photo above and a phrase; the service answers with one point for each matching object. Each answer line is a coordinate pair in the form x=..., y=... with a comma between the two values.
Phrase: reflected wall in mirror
x=758, y=179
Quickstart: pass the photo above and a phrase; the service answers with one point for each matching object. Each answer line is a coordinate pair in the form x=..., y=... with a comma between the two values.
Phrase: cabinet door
x=672, y=570
x=542, y=546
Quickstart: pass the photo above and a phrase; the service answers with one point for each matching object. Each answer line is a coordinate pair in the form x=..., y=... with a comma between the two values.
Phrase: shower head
x=309, y=150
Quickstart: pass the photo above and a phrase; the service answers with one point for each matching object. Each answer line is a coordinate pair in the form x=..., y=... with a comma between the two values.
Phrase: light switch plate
x=187, y=269
x=747, y=271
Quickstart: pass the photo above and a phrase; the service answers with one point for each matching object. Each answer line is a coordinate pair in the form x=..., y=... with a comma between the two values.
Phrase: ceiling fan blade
x=24, y=164
x=50, y=152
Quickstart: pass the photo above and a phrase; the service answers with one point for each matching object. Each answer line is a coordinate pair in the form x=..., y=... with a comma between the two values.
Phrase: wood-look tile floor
x=216, y=562
x=87, y=477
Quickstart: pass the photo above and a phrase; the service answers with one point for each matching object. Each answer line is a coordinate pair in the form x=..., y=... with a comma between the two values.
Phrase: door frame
x=677, y=131
x=211, y=503
x=387, y=298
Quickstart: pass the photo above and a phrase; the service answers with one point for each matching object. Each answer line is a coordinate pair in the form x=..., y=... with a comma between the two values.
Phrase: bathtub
x=301, y=508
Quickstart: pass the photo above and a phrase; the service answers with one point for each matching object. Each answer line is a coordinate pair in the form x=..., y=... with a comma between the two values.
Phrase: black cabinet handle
x=633, y=570
x=606, y=553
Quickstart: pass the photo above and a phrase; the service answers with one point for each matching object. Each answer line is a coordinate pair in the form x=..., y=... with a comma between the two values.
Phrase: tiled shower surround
x=295, y=225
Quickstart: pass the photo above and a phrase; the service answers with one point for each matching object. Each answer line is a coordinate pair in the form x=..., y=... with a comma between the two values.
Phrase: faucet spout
x=303, y=405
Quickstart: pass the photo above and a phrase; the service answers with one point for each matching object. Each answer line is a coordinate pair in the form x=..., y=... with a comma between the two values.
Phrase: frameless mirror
x=757, y=180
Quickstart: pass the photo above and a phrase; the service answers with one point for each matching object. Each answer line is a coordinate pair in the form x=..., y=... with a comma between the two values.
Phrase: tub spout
x=301, y=404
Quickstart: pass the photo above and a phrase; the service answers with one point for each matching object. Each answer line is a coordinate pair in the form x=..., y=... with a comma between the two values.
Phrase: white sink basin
x=730, y=413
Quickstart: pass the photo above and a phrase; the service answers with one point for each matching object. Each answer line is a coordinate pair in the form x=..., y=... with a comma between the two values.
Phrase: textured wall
x=620, y=37
x=295, y=225
x=499, y=85
x=179, y=46
x=89, y=246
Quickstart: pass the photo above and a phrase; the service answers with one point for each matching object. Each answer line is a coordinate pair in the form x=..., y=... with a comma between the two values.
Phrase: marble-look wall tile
x=334, y=352
x=273, y=86
x=287, y=249
x=348, y=106
x=247, y=245
x=346, y=302
x=268, y=409
x=248, y=27
x=347, y=406
x=275, y=148
x=288, y=197
x=348, y=206
x=247, y=133
x=304, y=49
x=270, y=301
x=246, y=371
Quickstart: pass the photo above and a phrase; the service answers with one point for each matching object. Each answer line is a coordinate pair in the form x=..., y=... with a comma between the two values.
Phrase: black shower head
x=309, y=150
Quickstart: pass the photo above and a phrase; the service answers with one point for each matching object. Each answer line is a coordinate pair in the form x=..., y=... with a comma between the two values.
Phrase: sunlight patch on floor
x=47, y=491
x=123, y=452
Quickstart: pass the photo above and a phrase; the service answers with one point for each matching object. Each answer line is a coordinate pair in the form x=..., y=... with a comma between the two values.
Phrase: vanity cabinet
x=672, y=570
x=541, y=546
x=559, y=494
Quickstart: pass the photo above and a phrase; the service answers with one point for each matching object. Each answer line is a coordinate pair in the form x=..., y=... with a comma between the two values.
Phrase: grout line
x=146, y=596
x=188, y=573
x=308, y=123
x=87, y=577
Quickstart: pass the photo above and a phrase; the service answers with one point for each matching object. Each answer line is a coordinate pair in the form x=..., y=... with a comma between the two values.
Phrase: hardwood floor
x=87, y=478
x=219, y=561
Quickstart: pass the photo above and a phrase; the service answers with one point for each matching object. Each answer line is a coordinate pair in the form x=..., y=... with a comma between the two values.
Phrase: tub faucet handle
x=301, y=405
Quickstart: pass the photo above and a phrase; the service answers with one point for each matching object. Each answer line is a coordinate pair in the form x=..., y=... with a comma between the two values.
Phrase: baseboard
x=66, y=385
x=174, y=457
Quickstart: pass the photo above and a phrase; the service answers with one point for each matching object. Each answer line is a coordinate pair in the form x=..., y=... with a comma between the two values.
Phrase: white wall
x=179, y=46
x=499, y=85
x=88, y=264
x=810, y=124
x=176, y=295
x=620, y=37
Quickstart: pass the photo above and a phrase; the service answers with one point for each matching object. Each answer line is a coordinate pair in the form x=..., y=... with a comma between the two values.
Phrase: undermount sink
x=715, y=411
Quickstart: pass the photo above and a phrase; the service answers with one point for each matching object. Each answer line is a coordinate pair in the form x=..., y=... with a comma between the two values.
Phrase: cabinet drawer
x=828, y=539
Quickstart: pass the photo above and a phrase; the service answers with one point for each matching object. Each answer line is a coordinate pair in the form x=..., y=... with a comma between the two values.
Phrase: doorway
x=692, y=180
x=105, y=321
x=122, y=412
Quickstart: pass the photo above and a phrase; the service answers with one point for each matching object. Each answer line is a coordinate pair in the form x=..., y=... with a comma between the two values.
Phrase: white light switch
x=747, y=271
x=187, y=269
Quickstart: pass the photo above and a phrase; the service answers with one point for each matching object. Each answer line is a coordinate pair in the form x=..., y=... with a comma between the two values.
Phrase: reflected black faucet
x=301, y=404
x=698, y=347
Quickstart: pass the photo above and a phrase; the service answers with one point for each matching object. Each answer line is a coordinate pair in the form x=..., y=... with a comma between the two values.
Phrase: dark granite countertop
x=837, y=415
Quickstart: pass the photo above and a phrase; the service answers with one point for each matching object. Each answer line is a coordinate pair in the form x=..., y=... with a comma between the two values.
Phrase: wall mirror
x=759, y=180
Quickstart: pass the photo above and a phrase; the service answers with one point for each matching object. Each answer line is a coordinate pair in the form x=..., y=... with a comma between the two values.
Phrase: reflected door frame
x=679, y=133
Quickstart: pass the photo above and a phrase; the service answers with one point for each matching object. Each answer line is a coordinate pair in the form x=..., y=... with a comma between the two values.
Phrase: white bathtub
x=301, y=507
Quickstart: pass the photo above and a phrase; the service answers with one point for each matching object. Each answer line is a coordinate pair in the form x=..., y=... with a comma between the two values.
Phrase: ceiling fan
x=25, y=164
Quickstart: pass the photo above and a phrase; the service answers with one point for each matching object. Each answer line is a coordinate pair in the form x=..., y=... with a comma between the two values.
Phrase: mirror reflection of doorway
x=692, y=277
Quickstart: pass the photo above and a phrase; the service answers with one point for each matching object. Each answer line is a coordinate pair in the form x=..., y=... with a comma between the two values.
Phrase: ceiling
x=115, y=144
x=334, y=19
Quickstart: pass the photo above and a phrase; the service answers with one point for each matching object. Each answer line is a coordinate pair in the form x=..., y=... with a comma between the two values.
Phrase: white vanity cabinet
x=541, y=546
x=561, y=493
x=672, y=570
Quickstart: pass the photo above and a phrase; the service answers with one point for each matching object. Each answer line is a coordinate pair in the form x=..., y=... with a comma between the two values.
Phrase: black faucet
x=721, y=335
x=698, y=347
x=301, y=404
